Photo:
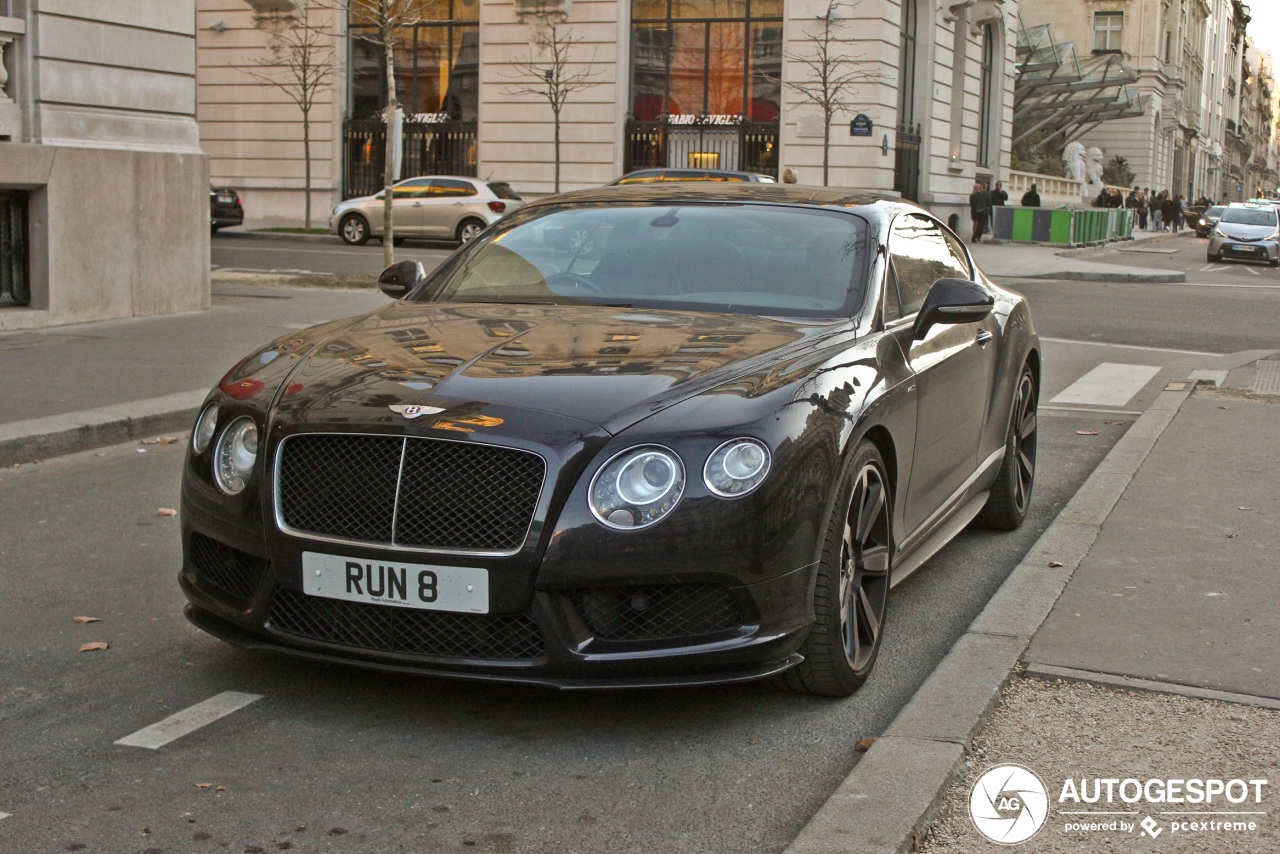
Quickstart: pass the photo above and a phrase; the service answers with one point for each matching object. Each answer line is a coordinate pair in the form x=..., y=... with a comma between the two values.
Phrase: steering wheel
x=561, y=282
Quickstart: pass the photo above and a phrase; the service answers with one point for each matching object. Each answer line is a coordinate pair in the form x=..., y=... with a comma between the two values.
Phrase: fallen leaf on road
x=753, y=741
x=1053, y=564
x=93, y=647
x=100, y=454
x=86, y=619
x=220, y=789
x=1244, y=508
x=204, y=785
x=1086, y=432
x=161, y=440
x=141, y=450
x=166, y=511
x=864, y=743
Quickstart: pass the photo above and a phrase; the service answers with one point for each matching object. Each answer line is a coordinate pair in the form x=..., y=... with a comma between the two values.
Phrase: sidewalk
x=1030, y=261
x=1137, y=640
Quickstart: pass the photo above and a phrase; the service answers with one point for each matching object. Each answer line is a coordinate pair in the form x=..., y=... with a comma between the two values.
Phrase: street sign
x=860, y=126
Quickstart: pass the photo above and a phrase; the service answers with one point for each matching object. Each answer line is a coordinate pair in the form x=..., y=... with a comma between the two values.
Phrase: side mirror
x=952, y=301
x=398, y=279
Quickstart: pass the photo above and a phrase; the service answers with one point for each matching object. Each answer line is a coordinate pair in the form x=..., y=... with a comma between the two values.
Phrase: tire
x=213, y=229
x=469, y=228
x=1209, y=257
x=398, y=241
x=851, y=590
x=354, y=230
x=1010, y=496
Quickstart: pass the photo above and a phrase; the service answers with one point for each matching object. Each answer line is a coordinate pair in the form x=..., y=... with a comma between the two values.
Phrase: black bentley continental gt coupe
x=663, y=434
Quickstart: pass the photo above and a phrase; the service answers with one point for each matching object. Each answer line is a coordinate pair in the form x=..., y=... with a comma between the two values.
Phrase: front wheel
x=353, y=230
x=1010, y=496
x=851, y=591
x=468, y=229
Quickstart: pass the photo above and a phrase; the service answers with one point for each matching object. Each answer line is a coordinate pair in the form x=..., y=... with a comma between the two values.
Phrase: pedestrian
x=1031, y=199
x=1142, y=211
x=979, y=208
x=1168, y=211
x=999, y=196
x=1157, y=213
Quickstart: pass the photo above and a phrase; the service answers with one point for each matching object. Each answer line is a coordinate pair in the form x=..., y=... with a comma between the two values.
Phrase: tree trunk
x=388, y=177
x=826, y=150
x=306, y=168
x=557, y=151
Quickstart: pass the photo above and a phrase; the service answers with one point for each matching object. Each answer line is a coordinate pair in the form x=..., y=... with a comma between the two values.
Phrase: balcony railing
x=11, y=31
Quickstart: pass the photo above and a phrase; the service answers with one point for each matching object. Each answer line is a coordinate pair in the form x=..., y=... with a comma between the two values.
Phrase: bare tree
x=388, y=19
x=832, y=75
x=552, y=77
x=300, y=64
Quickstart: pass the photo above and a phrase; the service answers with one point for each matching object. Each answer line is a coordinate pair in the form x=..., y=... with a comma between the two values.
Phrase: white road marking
x=1214, y=268
x=3, y=815
x=189, y=720
x=1253, y=271
x=1109, y=384
x=1132, y=347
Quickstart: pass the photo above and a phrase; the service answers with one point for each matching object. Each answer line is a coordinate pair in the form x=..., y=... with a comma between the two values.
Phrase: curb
x=39, y=438
x=889, y=799
x=278, y=235
x=1090, y=276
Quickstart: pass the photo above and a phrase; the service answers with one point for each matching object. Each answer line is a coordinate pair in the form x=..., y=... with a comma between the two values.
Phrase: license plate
x=226, y=199
x=403, y=585
x=1238, y=248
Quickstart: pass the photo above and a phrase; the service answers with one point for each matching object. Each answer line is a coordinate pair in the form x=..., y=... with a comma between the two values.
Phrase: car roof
x=707, y=192
x=710, y=174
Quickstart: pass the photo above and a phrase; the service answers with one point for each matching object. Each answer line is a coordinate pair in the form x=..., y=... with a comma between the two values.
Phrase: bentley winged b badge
x=413, y=410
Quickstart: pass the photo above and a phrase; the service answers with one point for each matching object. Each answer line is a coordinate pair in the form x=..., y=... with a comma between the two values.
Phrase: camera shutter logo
x=1008, y=804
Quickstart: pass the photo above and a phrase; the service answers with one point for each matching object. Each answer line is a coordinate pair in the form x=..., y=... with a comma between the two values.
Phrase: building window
x=1108, y=27
x=987, y=101
x=706, y=58
x=437, y=63
x=907, y=64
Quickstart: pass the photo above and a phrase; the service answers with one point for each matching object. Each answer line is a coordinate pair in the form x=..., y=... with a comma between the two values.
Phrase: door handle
x=984, y=336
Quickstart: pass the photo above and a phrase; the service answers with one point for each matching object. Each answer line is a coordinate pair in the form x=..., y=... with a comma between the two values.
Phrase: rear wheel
x=852, y=587
x=468, y=229
x=354, y=230
x=1010, y=496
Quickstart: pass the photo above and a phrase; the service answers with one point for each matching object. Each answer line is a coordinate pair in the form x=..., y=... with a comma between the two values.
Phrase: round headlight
x=235, y=454
x=736, y=467
x=637, y=488
x=206, y=424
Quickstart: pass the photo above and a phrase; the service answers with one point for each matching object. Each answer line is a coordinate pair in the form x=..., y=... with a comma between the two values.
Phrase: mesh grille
x=226, y=569
x=389, y=629
x=453, y=495
x=668, y=611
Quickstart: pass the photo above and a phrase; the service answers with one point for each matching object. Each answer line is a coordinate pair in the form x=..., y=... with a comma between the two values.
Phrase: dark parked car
x=697, y=446
x=650, y=176
x=1204, y=220
x=224, y=208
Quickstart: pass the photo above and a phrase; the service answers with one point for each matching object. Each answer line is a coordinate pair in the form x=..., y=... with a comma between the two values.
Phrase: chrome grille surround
x=458, y=497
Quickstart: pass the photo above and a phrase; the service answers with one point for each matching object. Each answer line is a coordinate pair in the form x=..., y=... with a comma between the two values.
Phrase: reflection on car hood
x=1240, y=231
x=606, y=366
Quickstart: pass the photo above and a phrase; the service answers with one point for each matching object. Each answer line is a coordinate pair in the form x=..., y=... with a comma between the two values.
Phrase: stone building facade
x=104, y=206
x=1200, y=134
x=690, y=82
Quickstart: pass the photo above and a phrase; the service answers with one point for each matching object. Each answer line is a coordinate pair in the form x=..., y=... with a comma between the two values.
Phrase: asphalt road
x=229, y=252
x=333, y=759
x=1222, y=308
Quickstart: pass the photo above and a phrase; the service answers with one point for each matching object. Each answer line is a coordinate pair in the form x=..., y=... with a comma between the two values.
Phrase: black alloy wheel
x=851, y=592
x=1010, y=496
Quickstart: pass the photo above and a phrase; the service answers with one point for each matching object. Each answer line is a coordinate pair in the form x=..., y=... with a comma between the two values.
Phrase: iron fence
x=906, y=162
x=742, y=146
x=435, y=148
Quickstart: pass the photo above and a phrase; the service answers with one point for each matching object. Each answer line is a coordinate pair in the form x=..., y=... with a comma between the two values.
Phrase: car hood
x=598, y=365
x=1240, y=231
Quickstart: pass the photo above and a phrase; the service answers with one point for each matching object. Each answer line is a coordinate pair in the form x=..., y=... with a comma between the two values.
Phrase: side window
x=892, y=307
x=445, y=187
x=414, y=189
x=921, y=255
x=957, y=252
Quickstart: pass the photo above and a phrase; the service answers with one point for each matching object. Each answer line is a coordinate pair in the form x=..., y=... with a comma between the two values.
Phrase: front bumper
x=1257, y=250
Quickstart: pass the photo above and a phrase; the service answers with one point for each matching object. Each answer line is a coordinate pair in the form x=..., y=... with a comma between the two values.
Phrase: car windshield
x=1248, y=216
x=1215, y=211
x=743, y=259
